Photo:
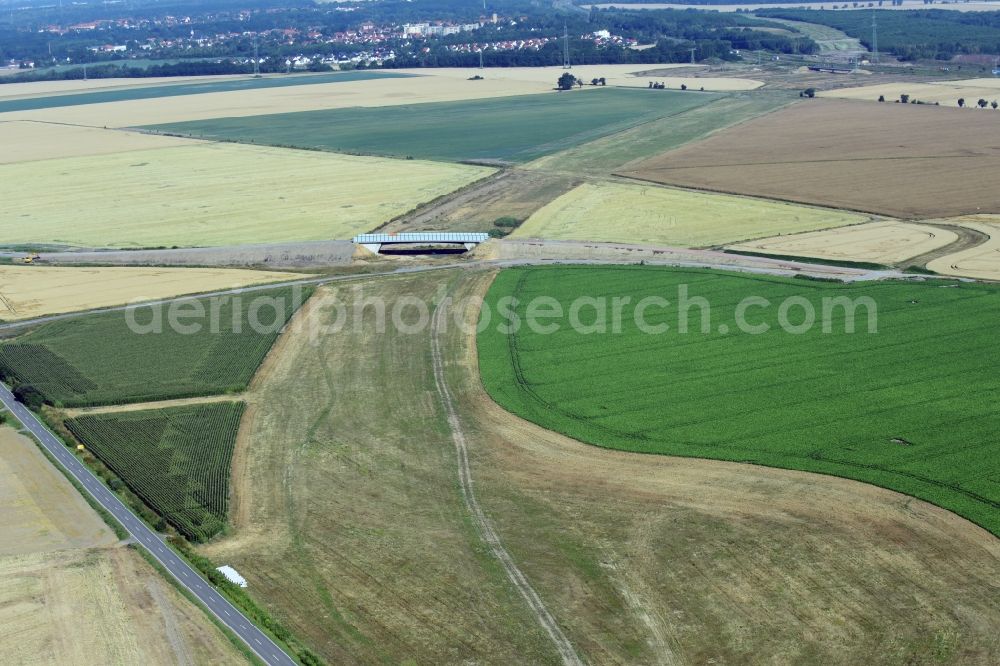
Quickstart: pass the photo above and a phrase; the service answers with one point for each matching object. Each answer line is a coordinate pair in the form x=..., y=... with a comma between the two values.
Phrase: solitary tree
x=994, y=105
x=684, y=86
x=809, y=92
x=566, y=81
x=982, y=103
x=881, y=98
x=961, y=102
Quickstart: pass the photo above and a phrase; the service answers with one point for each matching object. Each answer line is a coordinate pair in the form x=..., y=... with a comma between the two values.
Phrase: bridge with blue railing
x=375, y=242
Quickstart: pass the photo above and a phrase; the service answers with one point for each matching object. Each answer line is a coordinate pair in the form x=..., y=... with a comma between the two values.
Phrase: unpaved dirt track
x=885, y=242
x=483, y=524
x=156, y=404
x=512, y=192
x=967, y=239
x=532, y=252
x=730, y=563
x=299, y=254
x=359, y=535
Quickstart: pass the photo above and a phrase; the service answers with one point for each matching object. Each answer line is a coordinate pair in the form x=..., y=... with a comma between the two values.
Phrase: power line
x=874, y=37
x=566, y=64
x=256, y=57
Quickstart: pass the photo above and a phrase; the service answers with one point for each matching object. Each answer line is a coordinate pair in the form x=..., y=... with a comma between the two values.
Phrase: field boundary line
x=851, y=160
x=486, y=530
x=894, y=217
x=74, y=412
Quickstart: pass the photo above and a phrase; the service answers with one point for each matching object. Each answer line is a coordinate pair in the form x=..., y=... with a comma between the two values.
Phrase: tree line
x=910, y=35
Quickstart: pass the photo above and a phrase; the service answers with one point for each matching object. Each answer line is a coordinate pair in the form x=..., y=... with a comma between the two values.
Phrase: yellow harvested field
x=104, y=606
x=613, y=212
x=615, y=75
x=214, y=194
x=440, y=85
x=887, y=242
x=69, y=594
x=982, y=261
x=45, y=88
x=34, y=291
x=42, y=512
x=312, y=97
x=25, y=141
x=946, y=93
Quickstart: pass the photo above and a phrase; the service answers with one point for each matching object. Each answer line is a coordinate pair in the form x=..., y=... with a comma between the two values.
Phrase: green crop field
x=603, y=156
x=512, y=129
x=99, y=360
x=911, y=407
x=179, y=89
x=176, y=460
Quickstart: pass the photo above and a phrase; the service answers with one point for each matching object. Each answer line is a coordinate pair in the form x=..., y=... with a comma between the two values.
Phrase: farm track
x=157, y=404
x=483, y=524
x=668, y=565
x=515, y=191
x=665, y=256
x=967, y=239
x=299, y=254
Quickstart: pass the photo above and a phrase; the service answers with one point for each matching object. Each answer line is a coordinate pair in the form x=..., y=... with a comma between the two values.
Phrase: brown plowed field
x=905, y=161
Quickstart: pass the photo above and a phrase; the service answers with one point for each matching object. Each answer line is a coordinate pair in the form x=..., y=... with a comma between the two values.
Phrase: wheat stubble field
x=34, y=291
x=213, y=194
x=70, y=593
x=642, y=213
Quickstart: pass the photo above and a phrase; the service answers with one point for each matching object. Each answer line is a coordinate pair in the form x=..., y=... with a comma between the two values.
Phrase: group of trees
x=906, y=99
x=567, y=81
x=981, y=103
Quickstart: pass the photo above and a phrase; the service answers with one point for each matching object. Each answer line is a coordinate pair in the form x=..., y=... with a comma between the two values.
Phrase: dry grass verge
x=355, y=532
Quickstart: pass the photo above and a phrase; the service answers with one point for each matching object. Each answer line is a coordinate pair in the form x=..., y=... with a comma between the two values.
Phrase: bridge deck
x=421, y=237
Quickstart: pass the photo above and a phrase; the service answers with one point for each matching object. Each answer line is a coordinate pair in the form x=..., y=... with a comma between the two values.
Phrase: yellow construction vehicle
x=30, y=259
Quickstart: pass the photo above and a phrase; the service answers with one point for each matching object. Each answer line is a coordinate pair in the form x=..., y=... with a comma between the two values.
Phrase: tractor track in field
x=485, y=527
x=967, y=239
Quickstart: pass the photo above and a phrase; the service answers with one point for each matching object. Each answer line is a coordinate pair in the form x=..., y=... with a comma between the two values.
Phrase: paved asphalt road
x=255, y=639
